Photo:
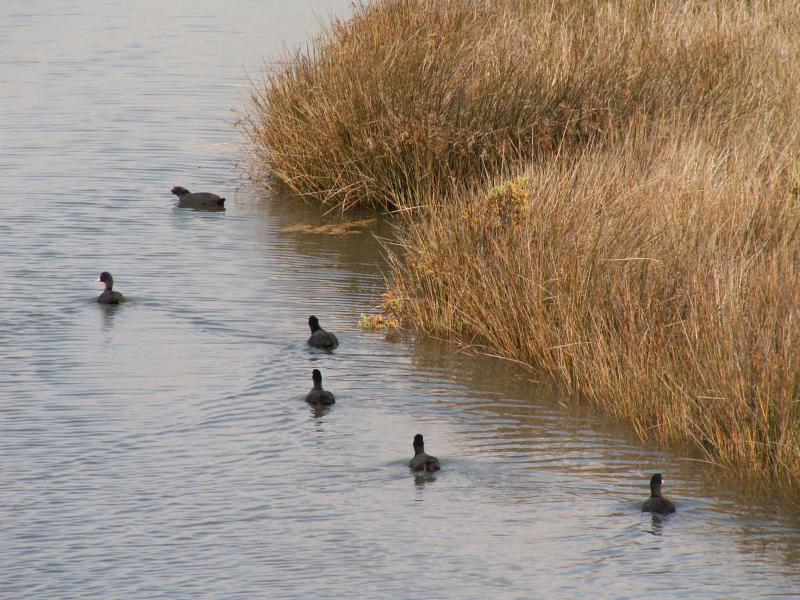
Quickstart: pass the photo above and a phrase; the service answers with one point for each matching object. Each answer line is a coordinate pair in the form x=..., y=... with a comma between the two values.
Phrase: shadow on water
x=351, y=239
x=320, y=410
x=201, y=209
x=423, y=479
x=657, y=524
x=108, y=312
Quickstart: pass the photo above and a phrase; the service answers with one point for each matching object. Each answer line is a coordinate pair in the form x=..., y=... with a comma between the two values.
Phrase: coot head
x=316, y=376
x=313, y=323
x=179, y=191
x=105, y=277
x=419, y=444
x=656, y=481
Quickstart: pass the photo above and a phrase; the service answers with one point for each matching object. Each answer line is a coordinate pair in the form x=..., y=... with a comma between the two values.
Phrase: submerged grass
x=606, y=191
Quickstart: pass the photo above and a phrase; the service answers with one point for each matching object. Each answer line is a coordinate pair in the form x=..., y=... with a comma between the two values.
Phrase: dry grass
x=410, y=95
x=664, y=289
x=610, y=191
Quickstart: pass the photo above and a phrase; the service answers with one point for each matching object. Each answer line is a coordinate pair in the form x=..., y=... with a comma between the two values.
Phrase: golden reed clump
x=655, y=276
x=608, y=191
x=410, y=95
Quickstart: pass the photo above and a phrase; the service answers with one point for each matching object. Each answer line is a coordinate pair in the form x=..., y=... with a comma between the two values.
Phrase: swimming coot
x=422, y=461
x=187, y=199
x=109, y=296
x=656, y=503
x=319, y=337
x=317, y=396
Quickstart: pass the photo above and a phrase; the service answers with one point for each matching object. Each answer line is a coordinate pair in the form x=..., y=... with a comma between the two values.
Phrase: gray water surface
x=162, y=448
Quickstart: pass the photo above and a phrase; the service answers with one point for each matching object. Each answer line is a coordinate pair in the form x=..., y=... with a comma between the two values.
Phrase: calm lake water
x=162, y=449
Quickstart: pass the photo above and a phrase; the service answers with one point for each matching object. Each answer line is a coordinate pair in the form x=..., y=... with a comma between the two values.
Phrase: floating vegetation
x=377, y=322
x=391, y=307
x=344, y=228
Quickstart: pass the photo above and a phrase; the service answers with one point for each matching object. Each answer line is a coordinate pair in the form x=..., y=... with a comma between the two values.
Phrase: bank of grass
x=409, y=95
x=606, y=191
x=657, y=279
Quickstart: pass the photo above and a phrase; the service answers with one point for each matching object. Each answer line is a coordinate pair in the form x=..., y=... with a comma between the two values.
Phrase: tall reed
x=410, y=95
x=655, y=275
